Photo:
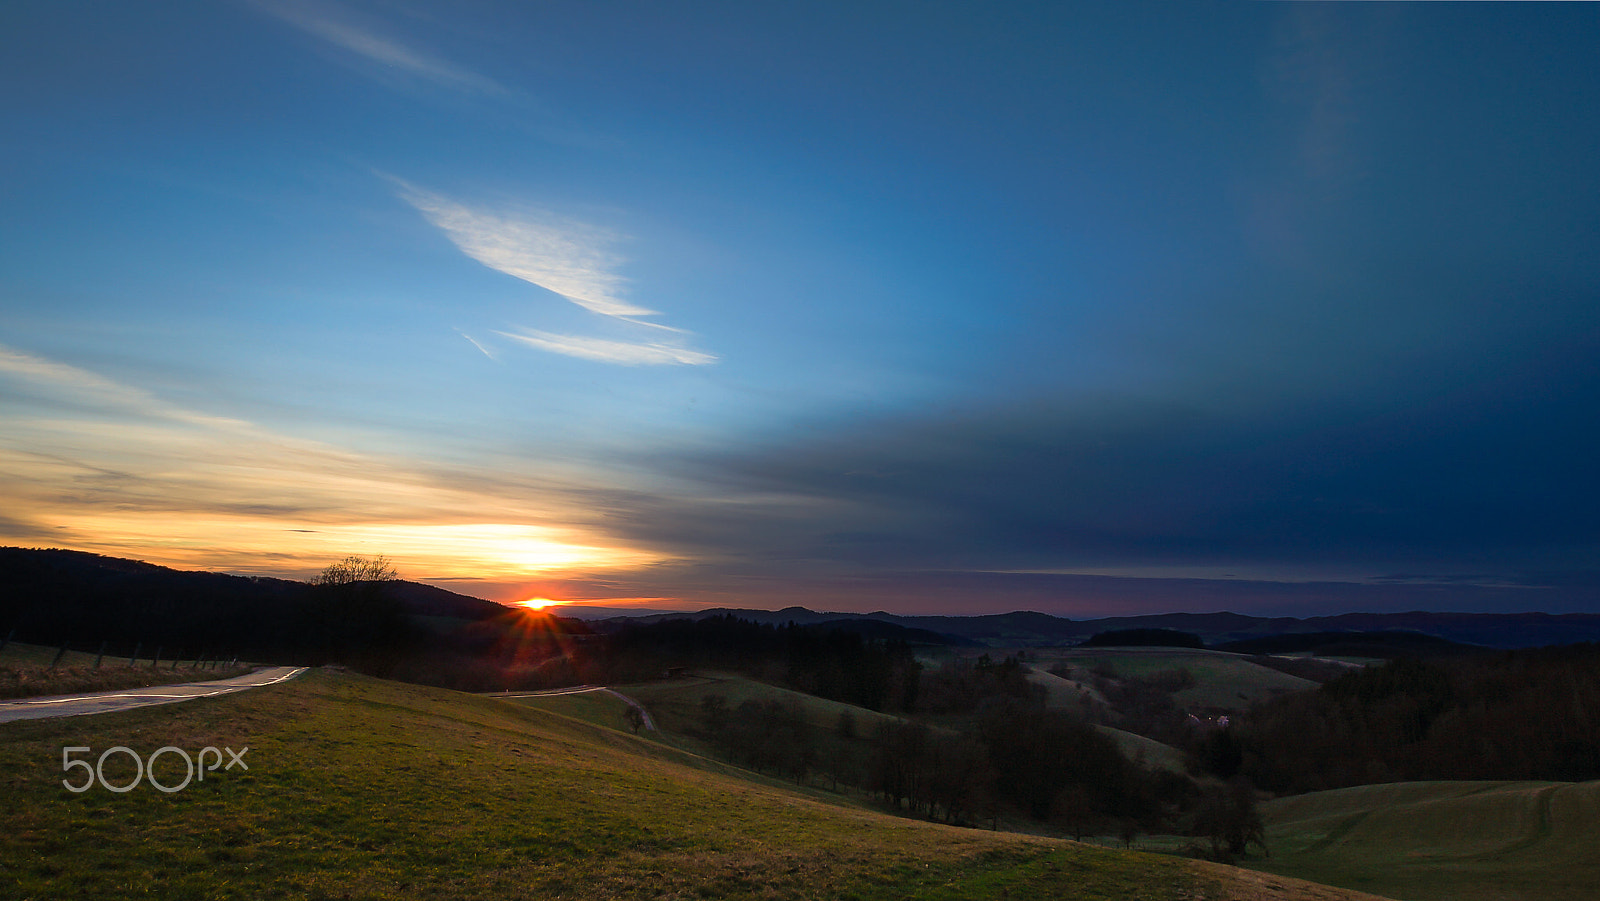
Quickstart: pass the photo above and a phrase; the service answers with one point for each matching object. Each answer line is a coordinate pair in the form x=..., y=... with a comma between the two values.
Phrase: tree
x=714, y=714
x=353, y=619
x=1228, y=816
x=355, y=568
x=634, y=717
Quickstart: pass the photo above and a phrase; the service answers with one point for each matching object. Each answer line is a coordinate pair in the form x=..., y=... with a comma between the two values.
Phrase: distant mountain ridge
x=1026, y=628
x=34, y=581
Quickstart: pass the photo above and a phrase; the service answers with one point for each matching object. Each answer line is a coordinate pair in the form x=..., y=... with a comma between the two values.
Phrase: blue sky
x=1088, y=308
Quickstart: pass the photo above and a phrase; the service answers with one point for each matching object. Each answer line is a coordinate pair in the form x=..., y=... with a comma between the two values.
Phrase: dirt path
x=649, y=723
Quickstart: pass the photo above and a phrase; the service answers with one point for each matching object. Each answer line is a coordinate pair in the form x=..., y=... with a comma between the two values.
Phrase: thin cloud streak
x=322, y=21
x=604, y=351
x=563, y=256
x=479, y=345
x=98, y=391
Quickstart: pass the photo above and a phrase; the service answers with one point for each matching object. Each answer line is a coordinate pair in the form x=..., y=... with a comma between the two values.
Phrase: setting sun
x=537, y=603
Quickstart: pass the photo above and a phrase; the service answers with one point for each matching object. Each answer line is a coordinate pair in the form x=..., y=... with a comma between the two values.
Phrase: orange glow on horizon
x=538, y=603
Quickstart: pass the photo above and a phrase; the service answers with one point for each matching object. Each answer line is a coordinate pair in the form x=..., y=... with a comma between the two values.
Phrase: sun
x=536, y=603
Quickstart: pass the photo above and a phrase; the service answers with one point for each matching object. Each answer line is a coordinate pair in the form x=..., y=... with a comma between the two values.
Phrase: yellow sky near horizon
x=93, y=465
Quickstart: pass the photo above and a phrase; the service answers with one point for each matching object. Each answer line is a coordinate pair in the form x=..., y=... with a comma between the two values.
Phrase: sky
x=1092, y=308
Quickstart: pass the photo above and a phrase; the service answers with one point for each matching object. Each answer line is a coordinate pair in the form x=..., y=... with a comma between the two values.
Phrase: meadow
x=365, y=789
x=1442, y=841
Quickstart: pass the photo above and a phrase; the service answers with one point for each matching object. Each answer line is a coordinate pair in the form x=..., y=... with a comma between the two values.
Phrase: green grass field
x=364, y=789
x=597, y=708
x=1443, y=841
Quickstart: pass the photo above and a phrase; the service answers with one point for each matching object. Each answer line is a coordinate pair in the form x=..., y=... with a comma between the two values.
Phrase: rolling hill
x=362, y=788
x=1443, y=841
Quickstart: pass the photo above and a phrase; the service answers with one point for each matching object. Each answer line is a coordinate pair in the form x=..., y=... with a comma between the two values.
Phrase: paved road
x=128, y=698
x=581, y=689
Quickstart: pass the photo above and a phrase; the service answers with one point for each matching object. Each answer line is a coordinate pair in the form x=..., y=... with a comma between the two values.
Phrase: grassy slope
x=1067, y=694
x=596, y=707
x=359, y=788
x=1519, y=841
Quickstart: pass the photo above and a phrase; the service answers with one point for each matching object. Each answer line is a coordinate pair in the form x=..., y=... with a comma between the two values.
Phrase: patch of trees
x=1143, y=705
x=940, y=774
x=1151, y=638
x=960, y=685
x=1514, y=715
x=1053, y=766
x=766, y=736
x=1227, y=815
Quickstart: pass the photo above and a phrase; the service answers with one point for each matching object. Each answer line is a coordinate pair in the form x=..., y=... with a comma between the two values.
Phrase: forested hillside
x=1531, y=714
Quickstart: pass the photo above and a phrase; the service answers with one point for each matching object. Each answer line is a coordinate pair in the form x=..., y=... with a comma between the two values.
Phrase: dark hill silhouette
x=428, y=600
x=1028, y=629
x=84, y=600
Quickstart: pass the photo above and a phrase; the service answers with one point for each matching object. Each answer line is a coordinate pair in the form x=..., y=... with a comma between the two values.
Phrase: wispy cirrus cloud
x=561, y=255
x=89, y=389
x=337, y=26
x=601, y=350
x=571, y=258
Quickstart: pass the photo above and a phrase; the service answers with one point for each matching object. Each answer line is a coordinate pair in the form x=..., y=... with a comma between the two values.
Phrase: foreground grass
x=1516, y=841
x=365, y=789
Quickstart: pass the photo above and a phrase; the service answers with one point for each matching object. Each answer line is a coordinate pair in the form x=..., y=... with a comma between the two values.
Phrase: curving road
x=129, y=698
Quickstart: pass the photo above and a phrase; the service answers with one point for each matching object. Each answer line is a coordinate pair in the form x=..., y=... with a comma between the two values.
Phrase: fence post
x=101, y=656
x=137, y=647
x=156, y=660
x=59, y=654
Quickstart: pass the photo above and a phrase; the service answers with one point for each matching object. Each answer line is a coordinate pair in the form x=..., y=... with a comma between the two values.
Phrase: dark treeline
x=1531, y=714
x=1018, y=757
x=382, y=627
x=766, y=736
x=961, y=686
x=829, y=663
x=1146, y=638
x=83, y=601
